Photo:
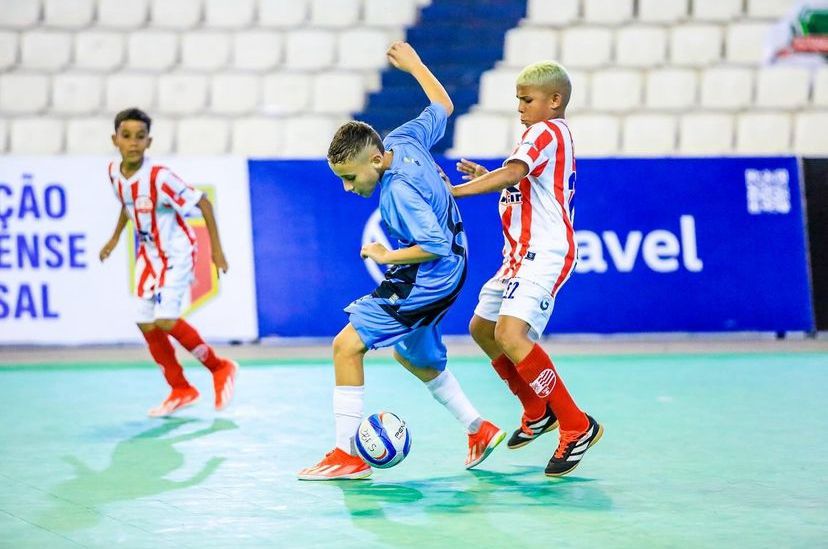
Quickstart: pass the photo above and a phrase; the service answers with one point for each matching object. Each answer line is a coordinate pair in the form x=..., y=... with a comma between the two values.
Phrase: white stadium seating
x=99, y=50
x=257, y=137
x=89, y=135
x=124, y=90
x=120, y=15
x=36, y=136
x=649, y=135
x=763, y=133
x=76, y=93
x=203, y=135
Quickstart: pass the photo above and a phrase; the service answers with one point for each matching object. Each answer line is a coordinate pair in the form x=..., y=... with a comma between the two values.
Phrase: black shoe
x=532, y=429
x=572, y=448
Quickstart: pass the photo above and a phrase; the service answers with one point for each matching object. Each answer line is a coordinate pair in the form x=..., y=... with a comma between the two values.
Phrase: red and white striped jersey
x=537, y=214
x=157, y=202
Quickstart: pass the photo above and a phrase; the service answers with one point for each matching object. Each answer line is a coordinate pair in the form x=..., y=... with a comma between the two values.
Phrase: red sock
x=539, y=372
x=533, y=405
x=189, y=338
x=163, y=353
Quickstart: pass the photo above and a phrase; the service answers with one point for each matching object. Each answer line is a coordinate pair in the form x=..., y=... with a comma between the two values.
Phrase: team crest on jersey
x=205, y=284
x=143, y=205
x=511, y=195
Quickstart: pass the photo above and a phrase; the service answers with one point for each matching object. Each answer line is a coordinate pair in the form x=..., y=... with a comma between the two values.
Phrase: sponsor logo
x=143, y=205
x=544, y=383
x=768, y=191
x=544, y=304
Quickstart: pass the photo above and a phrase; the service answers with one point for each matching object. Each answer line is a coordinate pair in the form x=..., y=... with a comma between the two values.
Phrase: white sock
x=347, y=406
x=447, y=391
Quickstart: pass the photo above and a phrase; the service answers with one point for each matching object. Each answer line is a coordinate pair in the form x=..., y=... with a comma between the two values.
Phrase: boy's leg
x=341, y=463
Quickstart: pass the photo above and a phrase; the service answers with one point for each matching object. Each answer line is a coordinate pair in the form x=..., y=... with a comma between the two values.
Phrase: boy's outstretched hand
x=107, y=249
x=470, y=170
x=219, y=261
x=403, y=56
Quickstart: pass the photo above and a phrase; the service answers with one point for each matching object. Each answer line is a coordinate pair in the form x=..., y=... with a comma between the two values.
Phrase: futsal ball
x=382, y=440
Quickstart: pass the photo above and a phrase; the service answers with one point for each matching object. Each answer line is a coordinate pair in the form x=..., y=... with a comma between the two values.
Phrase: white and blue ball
x=382, y=440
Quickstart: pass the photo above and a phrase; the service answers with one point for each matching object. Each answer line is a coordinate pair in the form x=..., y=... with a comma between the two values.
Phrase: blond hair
x=549, y=76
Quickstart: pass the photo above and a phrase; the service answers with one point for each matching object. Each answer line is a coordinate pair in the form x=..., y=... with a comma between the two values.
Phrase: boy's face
x=132, y=139
x=360, y=174
x=537, y=104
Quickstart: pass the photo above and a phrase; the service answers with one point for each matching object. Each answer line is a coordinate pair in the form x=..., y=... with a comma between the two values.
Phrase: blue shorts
x=421, y=345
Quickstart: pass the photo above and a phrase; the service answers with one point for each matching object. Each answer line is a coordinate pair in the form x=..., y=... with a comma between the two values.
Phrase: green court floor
x=699, y=451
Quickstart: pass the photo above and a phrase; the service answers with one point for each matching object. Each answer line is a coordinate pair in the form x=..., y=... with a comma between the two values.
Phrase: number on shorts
x=509, y=292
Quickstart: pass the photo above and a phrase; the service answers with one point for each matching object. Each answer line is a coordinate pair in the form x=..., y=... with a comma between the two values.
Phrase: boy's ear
x=113, y=140
x=555, y=100
x=376, y=160
x=149, y=142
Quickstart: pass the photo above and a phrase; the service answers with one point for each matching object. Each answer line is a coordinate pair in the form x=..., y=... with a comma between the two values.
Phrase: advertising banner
x=55, y=215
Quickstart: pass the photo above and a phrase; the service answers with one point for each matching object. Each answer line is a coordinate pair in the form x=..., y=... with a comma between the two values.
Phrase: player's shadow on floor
x=137, y=469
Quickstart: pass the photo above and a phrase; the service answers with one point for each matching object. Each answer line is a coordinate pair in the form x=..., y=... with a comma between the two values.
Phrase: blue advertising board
x=688, y=245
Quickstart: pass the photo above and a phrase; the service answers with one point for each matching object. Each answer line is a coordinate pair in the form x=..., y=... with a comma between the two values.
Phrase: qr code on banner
x=768, y=191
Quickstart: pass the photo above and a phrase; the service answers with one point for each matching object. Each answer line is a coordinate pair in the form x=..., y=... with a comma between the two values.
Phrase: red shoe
x=179, y=398
x=224, y=383
x=337, y=465
x=483, y=442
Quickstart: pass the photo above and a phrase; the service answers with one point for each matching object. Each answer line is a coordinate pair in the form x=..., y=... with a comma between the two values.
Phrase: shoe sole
x=352, y=476
x=497, y=439
x=522, y=444
x=235, y=375
x=591, y=444
x=171, y=412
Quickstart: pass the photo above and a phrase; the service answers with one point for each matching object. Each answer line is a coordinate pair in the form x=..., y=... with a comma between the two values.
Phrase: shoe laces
x=524, y=425
x=568, y=438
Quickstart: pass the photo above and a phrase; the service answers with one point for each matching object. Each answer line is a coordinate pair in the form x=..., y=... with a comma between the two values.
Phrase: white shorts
x=169, y=303
x=517, y=297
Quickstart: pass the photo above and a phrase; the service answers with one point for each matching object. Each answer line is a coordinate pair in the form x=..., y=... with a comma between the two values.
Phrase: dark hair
x=351, y=139
x=132, y=114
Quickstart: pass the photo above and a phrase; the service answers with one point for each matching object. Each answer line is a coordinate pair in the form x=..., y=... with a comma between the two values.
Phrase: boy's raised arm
x=405, y=58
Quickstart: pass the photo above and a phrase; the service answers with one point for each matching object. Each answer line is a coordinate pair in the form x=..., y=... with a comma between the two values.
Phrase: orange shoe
x=337, y=465
x=224, y=383
x=483, y=442
x=179, y=398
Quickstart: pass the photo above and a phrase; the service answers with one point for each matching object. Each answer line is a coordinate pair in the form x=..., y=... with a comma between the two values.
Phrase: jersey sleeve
x=532, y=149
x=427, y=129
x=175, y=193
x=412, y=216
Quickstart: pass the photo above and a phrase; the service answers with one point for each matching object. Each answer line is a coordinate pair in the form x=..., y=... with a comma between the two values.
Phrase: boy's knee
x=507, y=336
x=481, y=330
x=166, y=324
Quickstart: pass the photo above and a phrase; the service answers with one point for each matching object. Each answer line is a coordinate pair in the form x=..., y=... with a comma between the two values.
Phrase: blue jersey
x=418, y=209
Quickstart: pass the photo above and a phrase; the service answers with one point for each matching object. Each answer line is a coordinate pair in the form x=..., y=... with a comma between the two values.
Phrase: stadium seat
x=23, y=93
x=202, y=135
x=237, y=14
x=525, y=45
x=8, y=50
x=286, y=92
x=640, y=46
x=746, y=42
x=649, y=135
x=616, y=90
x=233, y=93
x=100, y=51
x=163, y=135
x=671, y=89
x=716, y=10
x=595, y=134
x=362, y=49
x=586, y=47
x=181, y=93
x=76, y=93
x=544, y=12
x=579, y=100
x=782, y=87
x=390, y=13
x=705, y=134
x=89, y=136
x=662, y=11
x=497, y=91
x=257, y=137
x=338, y=93
x=117, y=14
x=281, y=14
x=175, y=14
x=204, y=50
x=695, y=45
x=124, y=90
x=481, y=135
x=257, y=50
x=45, y=50
x=727, y=88
x=608, y=12
x=769, y=9
x=36, y=136
x=68, y=14
x=763, y=133
x=152, y=50
x=19, y=14
x=810, y=137
x=310, y=49
x=309, y=136
x=334, y=13
x=820, y=97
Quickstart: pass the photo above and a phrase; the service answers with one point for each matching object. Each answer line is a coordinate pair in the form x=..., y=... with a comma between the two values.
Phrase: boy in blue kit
x=425, y=276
